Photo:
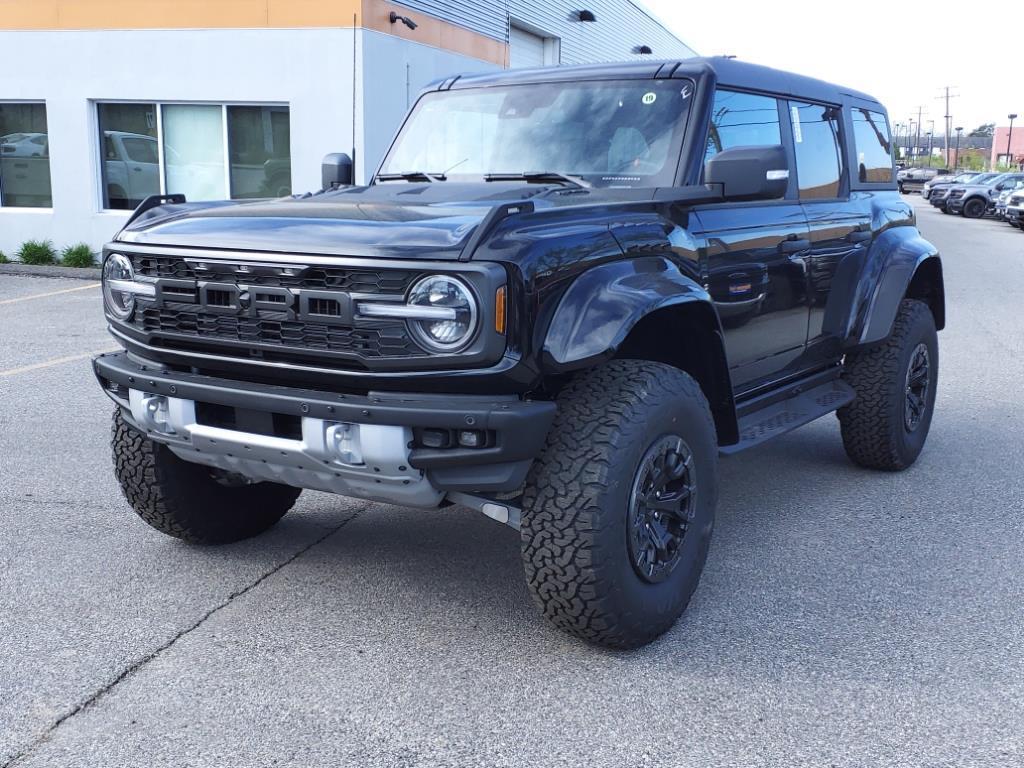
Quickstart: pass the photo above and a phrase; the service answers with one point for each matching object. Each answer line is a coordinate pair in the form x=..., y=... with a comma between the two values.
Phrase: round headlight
x=118, y=269
x=452, y=329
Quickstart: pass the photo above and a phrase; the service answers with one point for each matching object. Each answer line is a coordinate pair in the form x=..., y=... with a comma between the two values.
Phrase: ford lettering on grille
x=257, y=301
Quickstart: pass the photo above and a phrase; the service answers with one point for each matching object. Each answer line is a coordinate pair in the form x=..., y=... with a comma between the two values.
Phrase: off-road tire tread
x=869, y=434
x=170, y=494
x=561, y=509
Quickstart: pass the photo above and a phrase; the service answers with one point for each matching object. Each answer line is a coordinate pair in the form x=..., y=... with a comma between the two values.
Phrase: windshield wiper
x=412, y=176
x=540, y=177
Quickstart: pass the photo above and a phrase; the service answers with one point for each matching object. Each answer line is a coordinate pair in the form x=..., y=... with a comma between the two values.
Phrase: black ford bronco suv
x=563, y=294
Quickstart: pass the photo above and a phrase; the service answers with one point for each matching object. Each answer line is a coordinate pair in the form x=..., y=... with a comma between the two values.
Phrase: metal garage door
x=525, y=48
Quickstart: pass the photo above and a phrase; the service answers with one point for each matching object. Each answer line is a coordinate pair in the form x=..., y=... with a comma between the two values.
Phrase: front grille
x=320, y=278
x=179, y=322
x=390, y=340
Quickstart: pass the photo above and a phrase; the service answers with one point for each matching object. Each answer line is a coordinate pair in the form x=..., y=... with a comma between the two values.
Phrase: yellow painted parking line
x=55, y=361
x=49, y=293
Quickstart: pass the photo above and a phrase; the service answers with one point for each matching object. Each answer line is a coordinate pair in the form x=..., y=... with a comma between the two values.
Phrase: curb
x=31, y=270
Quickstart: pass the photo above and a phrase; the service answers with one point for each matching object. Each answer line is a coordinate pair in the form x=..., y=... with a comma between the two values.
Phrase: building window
x=816, y=141
x=203, y=151
x=874, y=149
x=24, y=156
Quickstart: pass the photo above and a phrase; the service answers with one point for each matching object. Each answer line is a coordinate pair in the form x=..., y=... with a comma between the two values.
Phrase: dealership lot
x=845, y=618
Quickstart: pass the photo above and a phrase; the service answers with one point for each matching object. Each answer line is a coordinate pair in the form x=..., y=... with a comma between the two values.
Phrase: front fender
x=597, y=312
x=895, y=257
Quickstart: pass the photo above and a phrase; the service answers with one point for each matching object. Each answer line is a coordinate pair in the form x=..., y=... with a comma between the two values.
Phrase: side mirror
x=749, y=173
x=336, y=170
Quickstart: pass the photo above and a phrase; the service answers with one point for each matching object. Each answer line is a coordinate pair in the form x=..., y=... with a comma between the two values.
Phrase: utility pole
x=917, y=136
x=1009, y=136
x=948, y=117
x=931, y=136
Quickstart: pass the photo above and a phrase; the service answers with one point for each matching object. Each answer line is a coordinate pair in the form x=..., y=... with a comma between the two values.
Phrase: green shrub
x=3, y=258
x=36, y=252
x=79, y=255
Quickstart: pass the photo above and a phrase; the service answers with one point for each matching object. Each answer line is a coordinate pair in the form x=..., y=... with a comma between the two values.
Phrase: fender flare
x=598, y=311
x=896, y=257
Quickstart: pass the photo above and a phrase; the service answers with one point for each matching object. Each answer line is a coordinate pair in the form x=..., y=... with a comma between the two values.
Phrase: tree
x=985, y=129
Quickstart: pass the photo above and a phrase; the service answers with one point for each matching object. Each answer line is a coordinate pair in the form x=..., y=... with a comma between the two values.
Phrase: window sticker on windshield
x=686, y=91
x=649, y=97
x=797, y=135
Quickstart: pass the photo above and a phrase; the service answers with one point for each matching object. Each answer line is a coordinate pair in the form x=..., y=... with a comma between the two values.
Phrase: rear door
x=839, y=223
x=753, y=254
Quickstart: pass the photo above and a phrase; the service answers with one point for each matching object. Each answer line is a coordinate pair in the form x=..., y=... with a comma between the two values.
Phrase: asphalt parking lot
x=846, y=618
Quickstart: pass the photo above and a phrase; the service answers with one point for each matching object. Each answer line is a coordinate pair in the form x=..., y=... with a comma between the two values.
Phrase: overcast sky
x=900, y=69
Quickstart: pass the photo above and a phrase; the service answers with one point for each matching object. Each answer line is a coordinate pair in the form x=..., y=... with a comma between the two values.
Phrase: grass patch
x=36, y=252
x=79, y=255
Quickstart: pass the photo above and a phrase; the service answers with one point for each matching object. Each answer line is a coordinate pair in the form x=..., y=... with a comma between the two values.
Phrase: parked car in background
x=942, y=182
x=940, y=192
x=914, y=178
x=1014, y=214
x=1003, y=199
x=975, y=200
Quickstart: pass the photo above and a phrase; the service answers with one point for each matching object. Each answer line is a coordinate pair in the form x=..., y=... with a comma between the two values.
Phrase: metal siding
x=621, y=25
x=489, y=19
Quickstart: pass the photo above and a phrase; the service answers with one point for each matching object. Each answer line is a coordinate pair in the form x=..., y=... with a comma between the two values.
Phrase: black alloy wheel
x=918, y=384
x=661, y=505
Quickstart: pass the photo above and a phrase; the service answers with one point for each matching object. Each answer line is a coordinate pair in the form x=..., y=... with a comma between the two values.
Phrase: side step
x=779, y=416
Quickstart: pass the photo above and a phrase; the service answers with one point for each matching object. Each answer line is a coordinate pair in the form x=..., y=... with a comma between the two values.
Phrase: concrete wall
x=310, y=70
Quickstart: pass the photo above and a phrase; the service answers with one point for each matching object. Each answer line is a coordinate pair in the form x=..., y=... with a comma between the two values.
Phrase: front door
x=754, y=254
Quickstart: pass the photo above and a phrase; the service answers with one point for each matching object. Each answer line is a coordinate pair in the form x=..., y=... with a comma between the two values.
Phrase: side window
x=742, y=120
x=873, y=145
x=818, y=157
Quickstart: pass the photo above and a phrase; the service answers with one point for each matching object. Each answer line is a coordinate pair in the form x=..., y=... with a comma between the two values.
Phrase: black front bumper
x=518, y=428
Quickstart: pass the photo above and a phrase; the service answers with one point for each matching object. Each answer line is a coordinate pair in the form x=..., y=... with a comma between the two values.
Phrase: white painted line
x=55, y=361
x=50, y=293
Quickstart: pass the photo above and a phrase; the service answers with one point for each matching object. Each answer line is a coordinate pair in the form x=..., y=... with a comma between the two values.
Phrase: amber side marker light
x=499, y=310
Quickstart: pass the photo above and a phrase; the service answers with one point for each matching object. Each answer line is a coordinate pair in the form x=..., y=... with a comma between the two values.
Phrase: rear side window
x=742, y=120
x=816, y=142
x=873, y=145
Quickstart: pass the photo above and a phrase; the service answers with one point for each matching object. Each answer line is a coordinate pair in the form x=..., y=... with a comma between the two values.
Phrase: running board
x=778, y=417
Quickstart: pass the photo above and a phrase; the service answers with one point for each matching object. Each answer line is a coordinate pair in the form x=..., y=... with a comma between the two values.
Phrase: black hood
x=395, y=220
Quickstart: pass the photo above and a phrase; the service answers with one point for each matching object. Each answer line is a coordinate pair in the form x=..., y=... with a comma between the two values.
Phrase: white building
x=103, y=102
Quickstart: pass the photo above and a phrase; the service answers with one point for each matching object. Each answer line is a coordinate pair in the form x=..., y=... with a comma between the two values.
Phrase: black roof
x=729, y=72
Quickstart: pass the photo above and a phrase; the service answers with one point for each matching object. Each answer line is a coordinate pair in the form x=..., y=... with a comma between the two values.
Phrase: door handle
x=794, y=245
x=137, y=170
x=859, y=236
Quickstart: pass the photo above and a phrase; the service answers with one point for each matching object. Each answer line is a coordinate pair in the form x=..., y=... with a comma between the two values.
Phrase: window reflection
x=874, y=149
x=24, y=156
x=259, y=139
x=255, y=160
x=131, y=160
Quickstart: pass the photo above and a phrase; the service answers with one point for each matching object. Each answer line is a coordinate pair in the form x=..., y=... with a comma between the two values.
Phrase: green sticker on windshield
x=649, y=97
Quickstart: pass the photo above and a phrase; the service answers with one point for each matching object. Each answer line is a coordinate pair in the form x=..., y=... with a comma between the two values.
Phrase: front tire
x=974, y=208
x=619, y=508
x=184, y=500
x=886, y=425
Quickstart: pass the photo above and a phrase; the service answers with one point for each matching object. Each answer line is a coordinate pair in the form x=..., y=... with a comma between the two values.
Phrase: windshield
x=607, y=133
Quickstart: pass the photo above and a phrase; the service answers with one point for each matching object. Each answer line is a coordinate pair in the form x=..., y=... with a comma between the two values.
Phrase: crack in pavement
x=131, y=669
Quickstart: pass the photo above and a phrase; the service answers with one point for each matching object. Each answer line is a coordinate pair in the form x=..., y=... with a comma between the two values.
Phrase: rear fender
x=899, y=264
